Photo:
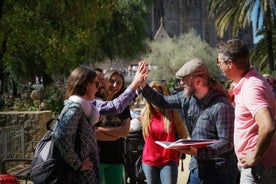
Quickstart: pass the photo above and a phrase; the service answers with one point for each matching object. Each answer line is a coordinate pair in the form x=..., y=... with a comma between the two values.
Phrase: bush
x=36, y=99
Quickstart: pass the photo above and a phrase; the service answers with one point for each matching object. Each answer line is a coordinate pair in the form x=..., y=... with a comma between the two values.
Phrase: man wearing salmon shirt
x=255, y=113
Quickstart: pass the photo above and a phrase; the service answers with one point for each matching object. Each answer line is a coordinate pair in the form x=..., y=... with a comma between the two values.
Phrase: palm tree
x=259, y=55
x=238, y=14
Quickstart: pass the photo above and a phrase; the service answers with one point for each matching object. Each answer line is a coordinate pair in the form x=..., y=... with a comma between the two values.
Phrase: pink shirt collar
x=238, y=86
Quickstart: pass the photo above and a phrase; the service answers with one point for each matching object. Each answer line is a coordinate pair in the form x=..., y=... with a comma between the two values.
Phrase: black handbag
x=48, y=166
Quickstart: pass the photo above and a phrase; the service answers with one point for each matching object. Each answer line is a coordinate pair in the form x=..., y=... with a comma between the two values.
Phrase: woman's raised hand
x=140, y=75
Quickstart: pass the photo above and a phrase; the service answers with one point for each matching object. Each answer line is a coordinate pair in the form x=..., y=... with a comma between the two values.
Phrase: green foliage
x=170, y=54
x=45, y=37
x=127, y=27
x=237, y=14
x=259, y=56
x=49, y=98
x=49, y=38
x=55, y=96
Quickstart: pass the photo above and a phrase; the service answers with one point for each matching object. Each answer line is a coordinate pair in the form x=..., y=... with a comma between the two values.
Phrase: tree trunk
x=268, y=30
x=2, y=51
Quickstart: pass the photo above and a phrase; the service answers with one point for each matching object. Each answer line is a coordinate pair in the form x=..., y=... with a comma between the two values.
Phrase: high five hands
x=140, y=78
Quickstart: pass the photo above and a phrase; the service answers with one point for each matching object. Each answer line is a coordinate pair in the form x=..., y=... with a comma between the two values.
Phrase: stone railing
x=21, y=131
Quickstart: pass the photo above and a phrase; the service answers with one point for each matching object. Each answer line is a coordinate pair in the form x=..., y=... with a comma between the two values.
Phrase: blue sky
x=253, y=18
x=256, y=38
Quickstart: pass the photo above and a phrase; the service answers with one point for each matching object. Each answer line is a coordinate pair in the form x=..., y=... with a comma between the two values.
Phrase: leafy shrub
x=38, y=98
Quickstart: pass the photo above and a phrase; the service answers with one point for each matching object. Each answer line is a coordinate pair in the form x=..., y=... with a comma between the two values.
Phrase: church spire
x=161, y=32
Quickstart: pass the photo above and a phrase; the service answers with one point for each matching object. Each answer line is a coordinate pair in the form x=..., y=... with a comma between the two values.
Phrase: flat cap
x=195, y=67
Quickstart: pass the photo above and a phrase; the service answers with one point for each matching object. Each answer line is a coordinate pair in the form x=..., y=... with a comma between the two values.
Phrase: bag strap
x=50, y=122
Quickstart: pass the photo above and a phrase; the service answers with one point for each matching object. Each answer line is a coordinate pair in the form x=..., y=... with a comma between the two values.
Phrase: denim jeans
x=223, y=176
x=166, y=174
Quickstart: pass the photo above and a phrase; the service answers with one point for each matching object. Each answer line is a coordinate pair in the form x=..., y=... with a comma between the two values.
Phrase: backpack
x=48, y=166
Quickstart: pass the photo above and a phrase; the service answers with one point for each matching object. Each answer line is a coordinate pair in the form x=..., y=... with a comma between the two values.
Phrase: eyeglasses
x=96, y=83
x=184, y=80
x=220, y=63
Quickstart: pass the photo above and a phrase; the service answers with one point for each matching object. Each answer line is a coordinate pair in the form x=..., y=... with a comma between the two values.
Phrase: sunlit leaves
x=52, y=37
x=170, y=54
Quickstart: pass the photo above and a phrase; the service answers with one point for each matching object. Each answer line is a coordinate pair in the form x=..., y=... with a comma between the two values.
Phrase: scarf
x=88, y=108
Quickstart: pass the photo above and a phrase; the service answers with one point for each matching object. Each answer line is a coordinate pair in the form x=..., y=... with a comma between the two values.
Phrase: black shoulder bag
x=47, y=165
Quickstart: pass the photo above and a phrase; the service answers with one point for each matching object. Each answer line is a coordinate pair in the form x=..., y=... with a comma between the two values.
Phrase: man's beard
x=189, y=91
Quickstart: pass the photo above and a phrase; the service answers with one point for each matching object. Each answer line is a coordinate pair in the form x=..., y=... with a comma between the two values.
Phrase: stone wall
x=20, y=131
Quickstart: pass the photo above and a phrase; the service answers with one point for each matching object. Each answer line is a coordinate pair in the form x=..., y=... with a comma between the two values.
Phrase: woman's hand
x=140, y=75
x=86, y=164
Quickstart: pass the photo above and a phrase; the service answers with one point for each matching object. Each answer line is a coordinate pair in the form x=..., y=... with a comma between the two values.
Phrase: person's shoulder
x=180, y=95
x=222, y=101
x=177, y=90
x=71, y=104
x=223, y=107
x=254, y=78
x=72, y=108
x=255, y=84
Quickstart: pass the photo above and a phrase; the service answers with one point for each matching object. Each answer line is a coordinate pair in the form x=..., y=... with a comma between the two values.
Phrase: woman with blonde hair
x=160, y=165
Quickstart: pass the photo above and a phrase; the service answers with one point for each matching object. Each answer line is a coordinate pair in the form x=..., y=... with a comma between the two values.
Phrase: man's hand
x=248, y=159
x=190, y=151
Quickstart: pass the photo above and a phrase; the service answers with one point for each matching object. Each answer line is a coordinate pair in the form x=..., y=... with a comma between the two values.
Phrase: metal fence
x=12, y=142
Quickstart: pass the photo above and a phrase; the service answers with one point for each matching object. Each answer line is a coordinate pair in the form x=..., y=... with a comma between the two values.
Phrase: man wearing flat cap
x=208, y=114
